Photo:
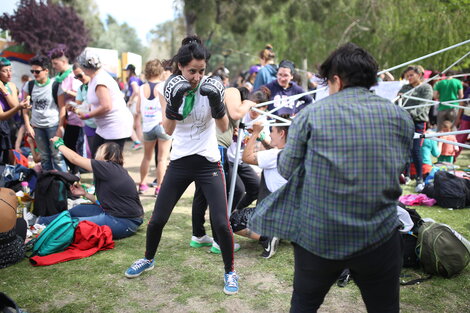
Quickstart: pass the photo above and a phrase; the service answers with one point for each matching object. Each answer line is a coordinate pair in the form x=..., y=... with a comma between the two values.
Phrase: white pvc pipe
x=425, y=57
x=451, y=142
x=300, y=95
x=429, y=135
x=234, y=173
x=435, y=76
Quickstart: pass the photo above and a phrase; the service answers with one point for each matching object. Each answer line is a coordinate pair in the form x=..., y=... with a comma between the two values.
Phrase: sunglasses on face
x=36, y=71
x=79, y=76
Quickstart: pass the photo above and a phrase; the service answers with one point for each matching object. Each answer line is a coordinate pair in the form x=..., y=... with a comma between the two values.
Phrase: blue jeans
x=50, y=157
x=121, y=227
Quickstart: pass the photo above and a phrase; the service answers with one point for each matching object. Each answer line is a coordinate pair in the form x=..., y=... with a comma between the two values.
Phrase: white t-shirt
x=267, y=160
x=151, y=110
x=196, y=134
x=44, y=111
x=232, y=149
x=117, y=123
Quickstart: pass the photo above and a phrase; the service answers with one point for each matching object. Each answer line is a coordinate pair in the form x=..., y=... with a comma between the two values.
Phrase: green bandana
x=61, y=76
x=189, y=102
x=7, y=87
x=42, y=85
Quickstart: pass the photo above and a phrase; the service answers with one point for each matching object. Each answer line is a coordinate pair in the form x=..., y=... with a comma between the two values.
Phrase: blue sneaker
x=138, y=267
x=231, y=283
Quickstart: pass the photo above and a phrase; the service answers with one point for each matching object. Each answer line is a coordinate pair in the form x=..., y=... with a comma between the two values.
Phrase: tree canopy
x=41, y=27
x=394, y=31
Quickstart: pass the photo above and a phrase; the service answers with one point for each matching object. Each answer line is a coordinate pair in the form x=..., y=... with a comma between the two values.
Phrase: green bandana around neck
x=42, y=85
x=189, y=102
x=61, y=76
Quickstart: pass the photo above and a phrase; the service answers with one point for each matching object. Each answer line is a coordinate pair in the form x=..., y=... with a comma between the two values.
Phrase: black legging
x=71, y=135
x=246, y=186
x=209, y=176
x=98, y=141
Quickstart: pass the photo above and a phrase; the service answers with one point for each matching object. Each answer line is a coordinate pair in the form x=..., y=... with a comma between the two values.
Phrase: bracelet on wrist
x=261, y=136
x=59, y=142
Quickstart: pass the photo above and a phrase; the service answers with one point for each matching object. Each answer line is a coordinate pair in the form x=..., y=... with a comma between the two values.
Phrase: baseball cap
x=130, y=67
x=254, y=69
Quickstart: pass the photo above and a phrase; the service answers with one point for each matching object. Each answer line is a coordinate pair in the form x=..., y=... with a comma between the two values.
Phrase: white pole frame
x=295, y=97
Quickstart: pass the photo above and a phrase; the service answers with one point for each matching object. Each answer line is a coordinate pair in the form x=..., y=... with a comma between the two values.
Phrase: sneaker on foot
x=136, y=146
x=269, y=247
x=138, y=267
x=216, y=249
x=231, y=283
x=143, y=188
x=153, y=184
x=344, y=278
x=419, y=185
x=198, y=242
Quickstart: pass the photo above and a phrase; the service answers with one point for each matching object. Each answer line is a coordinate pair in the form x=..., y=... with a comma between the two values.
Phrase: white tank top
x=196, y=134
x=151, y=110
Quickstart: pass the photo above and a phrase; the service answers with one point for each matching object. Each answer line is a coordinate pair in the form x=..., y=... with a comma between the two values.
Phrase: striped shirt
x=343, y=158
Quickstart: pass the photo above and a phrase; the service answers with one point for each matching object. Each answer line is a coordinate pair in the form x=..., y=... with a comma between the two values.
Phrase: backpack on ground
x=442, y=250
x=55, y=90
x=410, y=238
x=449, y=190
x=52, y=192
x=57, y=236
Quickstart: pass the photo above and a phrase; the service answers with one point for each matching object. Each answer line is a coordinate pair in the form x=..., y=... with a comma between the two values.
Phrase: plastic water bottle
x=30, y=161
x=26, y=198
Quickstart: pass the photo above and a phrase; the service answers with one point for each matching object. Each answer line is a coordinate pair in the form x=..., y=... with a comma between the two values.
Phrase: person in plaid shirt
x=342, y=160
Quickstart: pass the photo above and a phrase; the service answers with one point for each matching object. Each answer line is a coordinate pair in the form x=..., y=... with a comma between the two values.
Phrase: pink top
x=70, y=83
x=448, y=149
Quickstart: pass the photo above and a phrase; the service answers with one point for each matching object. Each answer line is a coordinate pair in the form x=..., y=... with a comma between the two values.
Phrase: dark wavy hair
x=191, y=48
x=261, y=95
x=40, y=60
x=354, y=65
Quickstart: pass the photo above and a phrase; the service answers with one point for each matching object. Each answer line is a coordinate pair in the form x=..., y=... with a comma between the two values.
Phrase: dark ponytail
x=191, y=48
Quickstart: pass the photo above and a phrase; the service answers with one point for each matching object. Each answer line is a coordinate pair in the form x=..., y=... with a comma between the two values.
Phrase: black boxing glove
x=213, y=88
x=175, y=88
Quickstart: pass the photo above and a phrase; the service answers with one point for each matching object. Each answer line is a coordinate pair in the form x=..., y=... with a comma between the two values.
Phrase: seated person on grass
x=271, y=180
x=117, y=202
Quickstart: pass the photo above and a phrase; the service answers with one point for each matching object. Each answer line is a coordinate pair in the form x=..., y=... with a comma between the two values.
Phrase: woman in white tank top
x=149, y=107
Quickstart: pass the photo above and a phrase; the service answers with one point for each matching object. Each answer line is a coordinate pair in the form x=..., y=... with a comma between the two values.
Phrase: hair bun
x=191, y=39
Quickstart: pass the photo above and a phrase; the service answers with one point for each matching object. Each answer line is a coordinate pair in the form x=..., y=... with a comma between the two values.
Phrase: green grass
x=186, y=279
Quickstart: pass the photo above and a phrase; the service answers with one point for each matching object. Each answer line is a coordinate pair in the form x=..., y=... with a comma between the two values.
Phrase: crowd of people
x=294, y=183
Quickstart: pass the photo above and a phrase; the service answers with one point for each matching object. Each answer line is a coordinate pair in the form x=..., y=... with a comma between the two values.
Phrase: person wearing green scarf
x=73, y=133
x=193, y=106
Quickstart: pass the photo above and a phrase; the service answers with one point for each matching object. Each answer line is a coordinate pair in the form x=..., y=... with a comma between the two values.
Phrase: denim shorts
x=158, y=132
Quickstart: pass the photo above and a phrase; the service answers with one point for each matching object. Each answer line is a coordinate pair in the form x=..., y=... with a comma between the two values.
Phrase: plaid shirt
x=343, y=158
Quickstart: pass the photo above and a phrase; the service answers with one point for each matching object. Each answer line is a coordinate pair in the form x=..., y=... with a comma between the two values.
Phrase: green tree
x=41, y=26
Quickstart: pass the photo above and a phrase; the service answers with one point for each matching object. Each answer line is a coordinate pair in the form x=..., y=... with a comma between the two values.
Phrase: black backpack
x=55, y=90
x=52, y=192
x=410, y=257
x=449, y=190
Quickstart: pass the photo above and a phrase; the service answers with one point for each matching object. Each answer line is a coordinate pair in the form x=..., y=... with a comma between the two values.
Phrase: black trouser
x=376, y=273
x=200, y=203
x=246, y=186
x=98, y=141
x=71, y=135
x=209, y=176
